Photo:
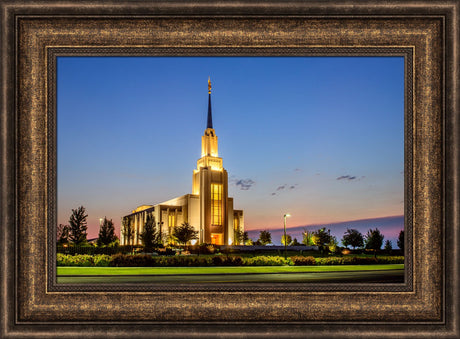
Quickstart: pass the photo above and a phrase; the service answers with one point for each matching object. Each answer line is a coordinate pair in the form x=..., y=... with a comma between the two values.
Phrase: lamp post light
x=100, y=221
x=285, y=242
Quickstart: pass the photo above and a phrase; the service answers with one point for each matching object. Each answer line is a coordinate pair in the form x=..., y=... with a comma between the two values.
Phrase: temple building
x=208, y=208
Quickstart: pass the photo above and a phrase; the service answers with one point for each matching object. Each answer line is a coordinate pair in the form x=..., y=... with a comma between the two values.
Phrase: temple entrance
x=216, y=239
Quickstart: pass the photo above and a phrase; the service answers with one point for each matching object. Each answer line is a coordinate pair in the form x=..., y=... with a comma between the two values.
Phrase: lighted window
x=236, y=223
x=216, y=204
x=172, y=220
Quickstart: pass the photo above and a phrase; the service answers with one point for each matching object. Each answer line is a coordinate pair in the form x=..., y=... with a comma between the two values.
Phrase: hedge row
x=99, y=260
x=303, y=261
x=299, y=261
x=91, y=250
x=145, y=260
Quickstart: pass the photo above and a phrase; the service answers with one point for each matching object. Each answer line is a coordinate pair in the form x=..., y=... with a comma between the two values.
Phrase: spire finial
x=209, y=124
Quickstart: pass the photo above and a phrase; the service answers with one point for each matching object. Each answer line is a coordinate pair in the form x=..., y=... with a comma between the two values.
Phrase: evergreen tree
x=400, y=241
x=106, y=233
x=62, y=234
x=388, y=246
x=149, y=236
x=295, y=242
x=78, y=226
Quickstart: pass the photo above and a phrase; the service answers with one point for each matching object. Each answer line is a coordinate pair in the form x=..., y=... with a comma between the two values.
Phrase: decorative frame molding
x=33, y=33
x=54, y=52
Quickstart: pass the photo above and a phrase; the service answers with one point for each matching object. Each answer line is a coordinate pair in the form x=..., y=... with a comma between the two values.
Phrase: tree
x=106, y=233
x=128, y=231
x=295, y=242
x=78, y=226
x=149, y=236
x=307, y=237
x=265, y=238
x=286, y=241
x=353, y=238
x=184, y=233
x=400, y=241
x=388, y=246
x=374, y=240
x=320, y=238
x=239, y=237
x=333, y=244
x=62, y=234
x=246, y=238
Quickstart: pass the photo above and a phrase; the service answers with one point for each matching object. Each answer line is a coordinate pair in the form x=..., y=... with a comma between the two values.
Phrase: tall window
x=171, y=220
x=216, y=204
x=236, y=222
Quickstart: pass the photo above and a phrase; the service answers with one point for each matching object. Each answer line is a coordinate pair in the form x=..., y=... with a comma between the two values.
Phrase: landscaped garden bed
x=145, y=260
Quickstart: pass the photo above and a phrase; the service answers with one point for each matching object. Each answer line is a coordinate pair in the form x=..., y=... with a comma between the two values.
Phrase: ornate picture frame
x=34, y=34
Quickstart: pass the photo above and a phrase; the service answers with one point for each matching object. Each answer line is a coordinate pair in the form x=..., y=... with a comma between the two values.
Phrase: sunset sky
x=319, y=137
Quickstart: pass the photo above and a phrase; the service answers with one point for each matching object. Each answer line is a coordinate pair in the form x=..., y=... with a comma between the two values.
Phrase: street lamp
x=285, y=242
x=100, y=221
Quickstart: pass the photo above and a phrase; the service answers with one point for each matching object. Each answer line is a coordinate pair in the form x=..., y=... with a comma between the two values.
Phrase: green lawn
x=217, y=270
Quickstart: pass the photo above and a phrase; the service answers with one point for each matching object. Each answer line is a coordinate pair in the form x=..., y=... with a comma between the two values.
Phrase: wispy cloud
x=283, y=187
x=244, y=184
x=350, y=177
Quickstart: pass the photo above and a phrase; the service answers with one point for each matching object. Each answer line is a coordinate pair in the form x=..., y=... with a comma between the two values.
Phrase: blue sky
x=319, y=137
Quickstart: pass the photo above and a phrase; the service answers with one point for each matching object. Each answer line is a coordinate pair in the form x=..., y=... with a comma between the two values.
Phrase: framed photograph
x=55, y=62
x=244, y=178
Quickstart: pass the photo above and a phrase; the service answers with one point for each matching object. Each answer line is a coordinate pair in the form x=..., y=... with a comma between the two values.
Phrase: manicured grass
x=217, y=270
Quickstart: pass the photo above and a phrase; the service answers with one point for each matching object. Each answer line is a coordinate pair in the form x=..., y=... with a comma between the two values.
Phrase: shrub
x=217, y=261
x=356, y=261
x=235, y=261
x=131, y=260
x=303, y=261
x=109, y=250
x=227, y=261
x=101, y=260
x=330, y=261
x=266, y=261
x=145, y=260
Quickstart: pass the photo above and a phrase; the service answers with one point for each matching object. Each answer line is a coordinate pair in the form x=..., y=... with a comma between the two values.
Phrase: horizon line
x=323, y=223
